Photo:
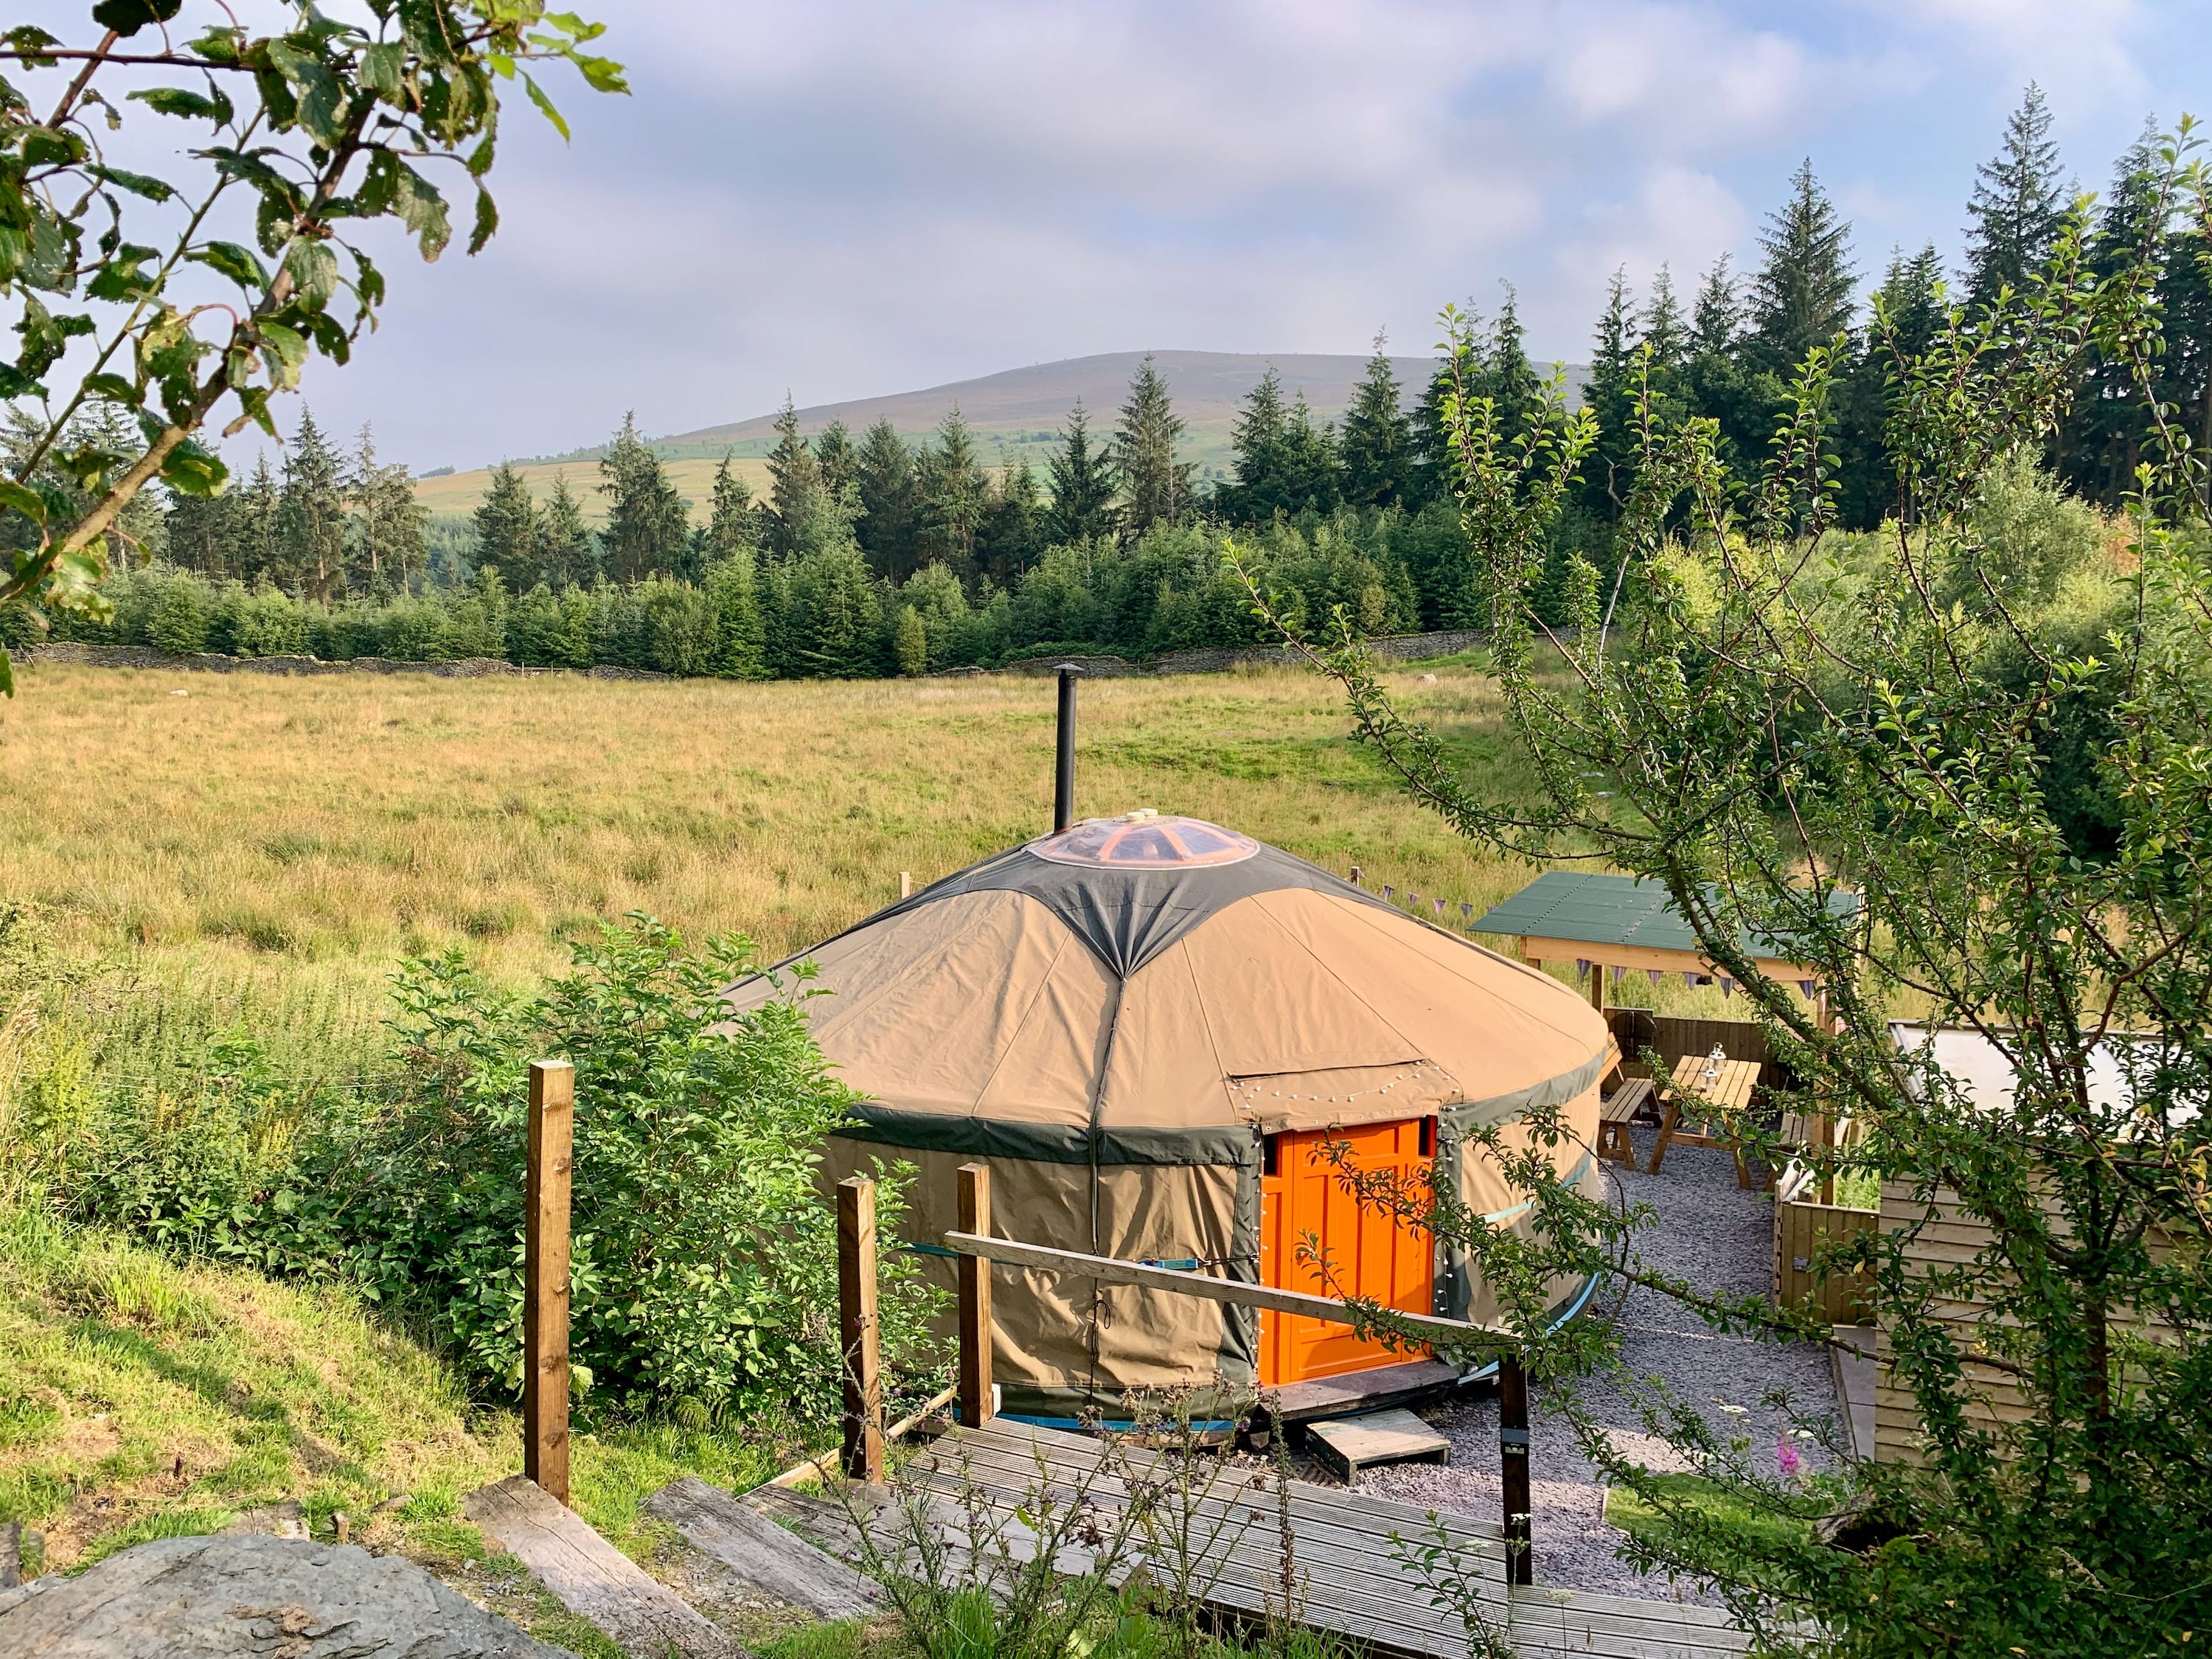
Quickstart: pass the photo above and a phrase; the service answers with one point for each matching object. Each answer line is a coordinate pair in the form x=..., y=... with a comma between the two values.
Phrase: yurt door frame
x=1370, y=1254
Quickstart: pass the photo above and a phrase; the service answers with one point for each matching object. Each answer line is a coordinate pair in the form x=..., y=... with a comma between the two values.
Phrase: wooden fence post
x=858, y=1339
x=545, y=1276
x=974, y=1299
x=906, y=884
x=1513, y=1467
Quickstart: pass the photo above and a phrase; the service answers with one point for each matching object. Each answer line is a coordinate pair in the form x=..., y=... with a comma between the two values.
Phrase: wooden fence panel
x=1799, y=1231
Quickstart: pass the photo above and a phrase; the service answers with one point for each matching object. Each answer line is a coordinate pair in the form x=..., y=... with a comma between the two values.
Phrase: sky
x=844, y=198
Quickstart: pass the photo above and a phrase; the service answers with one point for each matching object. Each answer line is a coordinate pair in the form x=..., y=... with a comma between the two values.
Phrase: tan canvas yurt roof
x=1117, y=1018
x=1133, y=978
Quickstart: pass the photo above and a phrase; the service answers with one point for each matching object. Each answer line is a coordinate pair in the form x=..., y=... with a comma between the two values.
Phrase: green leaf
x=239, y=264
x=545, y=103
x=314, y=270
x=190, y=106
x=285, y=350
x=322, y=98
x=50, y=147
x=602, y=74
x=138, y=184
x=487, y=222
x=247, y=166
x=15, y=248
x=383, y=69
x=127, y=17
x=115, y=389
x=190, y=470
x=30, y=41
x=480, y=158
x=391, y=186
x=14, y=498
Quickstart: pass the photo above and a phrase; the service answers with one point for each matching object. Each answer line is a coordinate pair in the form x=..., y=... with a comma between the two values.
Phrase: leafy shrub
x=705, y=1257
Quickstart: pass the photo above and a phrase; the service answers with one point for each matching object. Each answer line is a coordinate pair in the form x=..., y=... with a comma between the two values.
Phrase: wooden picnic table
x=1726, y=1083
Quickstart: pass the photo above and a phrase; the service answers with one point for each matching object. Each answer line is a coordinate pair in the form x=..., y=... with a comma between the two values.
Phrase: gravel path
x=1712, y=1233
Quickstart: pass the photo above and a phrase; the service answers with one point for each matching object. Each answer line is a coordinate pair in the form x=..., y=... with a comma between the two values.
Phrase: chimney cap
x=1071, y=668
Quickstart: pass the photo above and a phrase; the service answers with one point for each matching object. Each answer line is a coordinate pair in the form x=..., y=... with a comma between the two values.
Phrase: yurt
x=1149, y=1027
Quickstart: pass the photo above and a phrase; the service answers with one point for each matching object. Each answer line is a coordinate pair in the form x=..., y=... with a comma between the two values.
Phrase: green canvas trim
x=1552, y=1091
x=1233, y=1144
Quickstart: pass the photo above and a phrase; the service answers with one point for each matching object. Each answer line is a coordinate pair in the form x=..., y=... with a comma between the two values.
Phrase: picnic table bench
x=1706, y=1081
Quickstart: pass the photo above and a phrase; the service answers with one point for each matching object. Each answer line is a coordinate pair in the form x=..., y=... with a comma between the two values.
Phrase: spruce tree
x=950, y=491
x=508, y=535
x=883, y=477
x=1375, y=447
x=1717, y=382
x=1802, y=295
x=387, y=520
x=1012, y=535
x=1611, y=395
x=567, y=552
x=1510, y=380
x=1717, y=321
x=2017, y=206
x=1158, y=485
x=201, y=532
x=794, y=483
x=648, y=528
x=1255, y=440
x=836, y=459
x=1083, y=485
x=1661, y=326
x=1308, y=479
x=310, y=529
x=1908, y=313
x=255, y=557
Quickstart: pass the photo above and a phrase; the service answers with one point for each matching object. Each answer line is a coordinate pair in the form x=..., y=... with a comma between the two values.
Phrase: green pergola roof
x=1614, y=910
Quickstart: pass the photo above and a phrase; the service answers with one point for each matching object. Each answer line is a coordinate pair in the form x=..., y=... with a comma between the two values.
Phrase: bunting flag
x=1388, y=891
x=1440, y=907
x=1616, y=973
x=1655, y=975
x=1690, y=979
x=1411, y=898
x=1727, y=986
x=1466, y=911
x=1806, y=988
x=1582, y=967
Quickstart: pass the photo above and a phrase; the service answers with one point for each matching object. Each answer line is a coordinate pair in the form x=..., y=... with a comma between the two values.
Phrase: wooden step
x=590, y=1576
x=772, y=1559
x=1349, y=1444
x=1403, y=1384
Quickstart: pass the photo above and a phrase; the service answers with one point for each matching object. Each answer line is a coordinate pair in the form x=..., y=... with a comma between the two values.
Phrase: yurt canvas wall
x=1116, y=1019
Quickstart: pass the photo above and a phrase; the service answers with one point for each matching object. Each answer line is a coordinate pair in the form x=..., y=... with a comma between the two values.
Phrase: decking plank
x=769, y=1559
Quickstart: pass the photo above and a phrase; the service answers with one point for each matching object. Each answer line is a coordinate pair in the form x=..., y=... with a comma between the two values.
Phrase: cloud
x=862, y=196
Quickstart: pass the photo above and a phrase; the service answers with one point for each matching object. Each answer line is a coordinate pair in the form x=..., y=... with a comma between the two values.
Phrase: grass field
x=316, y=830
x=458, y=494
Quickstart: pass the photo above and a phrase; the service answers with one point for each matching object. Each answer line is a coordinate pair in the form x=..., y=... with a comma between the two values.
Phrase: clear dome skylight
x=1145, y=840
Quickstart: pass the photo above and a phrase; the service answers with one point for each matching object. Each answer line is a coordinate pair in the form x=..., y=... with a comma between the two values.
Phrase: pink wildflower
x=1786, y=1459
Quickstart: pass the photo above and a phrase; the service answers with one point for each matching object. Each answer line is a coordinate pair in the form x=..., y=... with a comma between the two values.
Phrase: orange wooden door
x=1370, y=1254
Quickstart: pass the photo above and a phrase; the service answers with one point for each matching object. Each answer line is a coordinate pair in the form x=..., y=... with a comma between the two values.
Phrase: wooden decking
x=1348, y=1573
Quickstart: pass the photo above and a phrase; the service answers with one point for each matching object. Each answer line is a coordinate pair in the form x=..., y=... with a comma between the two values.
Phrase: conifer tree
x=731, y=525
x=1308, y=479
x=1803, y=295
x=1910, y=303
x=1716, y=381
x=1509, y=378
x=509, y=534
x=1157, y=484
x=201, y=532
x=2017, y=205
x=836, y=459
x=310, y=530
x=910, y=642
x=1083, y=485
x=255, y=557
x=1255, y=440
x=647, y=529
x=568, y=554
x=794, y=483
x=731, y=577
x=949, y=489
x=1611, y=395
x=1375, y=443
x=885, y=481
x=1012, y=535
x=1661, y=326
x=387, y=520
x=1717, y=321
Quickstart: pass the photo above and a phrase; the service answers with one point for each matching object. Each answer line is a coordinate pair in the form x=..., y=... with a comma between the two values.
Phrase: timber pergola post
x=858, y=1338
x=977, y=1401
x=550, y=1160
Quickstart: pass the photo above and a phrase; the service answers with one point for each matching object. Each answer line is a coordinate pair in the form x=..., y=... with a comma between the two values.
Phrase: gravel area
x=1713, y=1233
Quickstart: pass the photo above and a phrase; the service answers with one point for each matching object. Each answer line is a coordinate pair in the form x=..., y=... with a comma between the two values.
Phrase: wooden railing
x=972, y=1242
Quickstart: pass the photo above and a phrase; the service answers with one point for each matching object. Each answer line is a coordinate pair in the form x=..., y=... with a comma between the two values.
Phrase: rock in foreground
x=273, y=1598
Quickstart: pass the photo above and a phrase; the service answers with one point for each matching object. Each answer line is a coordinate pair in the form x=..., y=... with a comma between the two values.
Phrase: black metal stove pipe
x=1063, y=794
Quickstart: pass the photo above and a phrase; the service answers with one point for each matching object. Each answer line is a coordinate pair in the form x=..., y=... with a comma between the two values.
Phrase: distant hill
x=1016, y=414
